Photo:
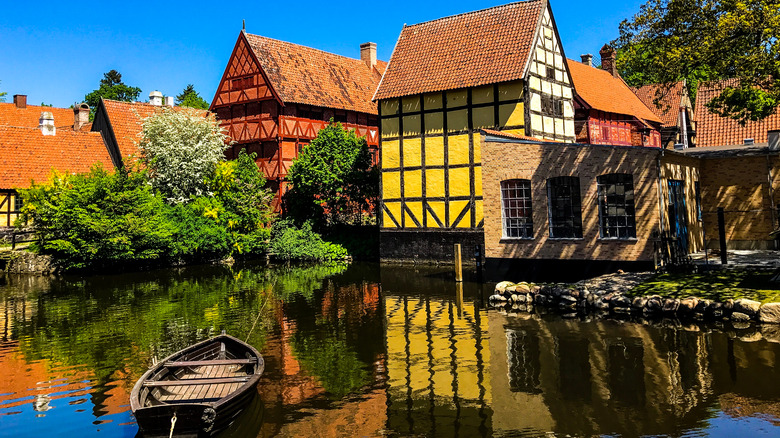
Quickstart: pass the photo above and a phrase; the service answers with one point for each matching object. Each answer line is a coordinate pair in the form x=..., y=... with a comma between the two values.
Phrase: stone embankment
x=606, y=296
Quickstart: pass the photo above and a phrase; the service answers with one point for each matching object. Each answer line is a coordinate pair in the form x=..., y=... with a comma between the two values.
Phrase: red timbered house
x=275, y=96
x=606, y=111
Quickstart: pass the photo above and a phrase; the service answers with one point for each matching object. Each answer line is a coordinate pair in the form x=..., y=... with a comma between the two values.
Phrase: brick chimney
x=156, y=98
x=46, y=123
x=587, y=59
x=608, y=60
x=368, y=54
x=20, y=101
x=80, y=115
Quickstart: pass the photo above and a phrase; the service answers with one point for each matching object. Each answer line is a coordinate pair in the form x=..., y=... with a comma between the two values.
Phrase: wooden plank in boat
x=187, y=382
x=198, y=363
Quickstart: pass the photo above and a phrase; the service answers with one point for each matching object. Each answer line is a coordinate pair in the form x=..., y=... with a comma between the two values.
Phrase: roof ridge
x=472, y=12
x=309, y=47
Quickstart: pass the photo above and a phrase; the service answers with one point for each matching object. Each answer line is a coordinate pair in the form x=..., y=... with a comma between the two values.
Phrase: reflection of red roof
x=516, y=136
x=300, y=74
x=604, y=92
x=126, y=120
x=29, y=117
x=466, y=50
x=27, y=154
x=668, y=106
x=714, y=130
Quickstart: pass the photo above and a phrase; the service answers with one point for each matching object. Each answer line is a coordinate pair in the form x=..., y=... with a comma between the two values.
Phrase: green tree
x=190, y=98
x=181, y=149
x=333, y=180
x=2, y=95
x=111, y=87
x=670, y=40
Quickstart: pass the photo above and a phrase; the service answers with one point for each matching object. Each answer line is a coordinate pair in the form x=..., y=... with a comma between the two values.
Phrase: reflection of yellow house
x=437, y=360
x=500, y=68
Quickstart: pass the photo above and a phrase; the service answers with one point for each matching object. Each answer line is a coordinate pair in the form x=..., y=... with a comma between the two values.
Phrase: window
x=563, y=197
x=550, y=73
x=697, y=193
x=516, y=213
x=18, y=203
x=616, y=206
x=552, y=106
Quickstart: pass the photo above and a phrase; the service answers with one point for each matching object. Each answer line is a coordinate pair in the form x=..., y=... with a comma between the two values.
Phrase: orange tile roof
x=604, y=92
x=30, y=155
x=126, y=120
x=467, y=50
x=714, y=130
x=29, y=117
x=300, y=74
x=668, y=106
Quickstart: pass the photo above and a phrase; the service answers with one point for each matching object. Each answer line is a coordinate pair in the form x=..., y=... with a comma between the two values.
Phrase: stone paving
x=740, y=259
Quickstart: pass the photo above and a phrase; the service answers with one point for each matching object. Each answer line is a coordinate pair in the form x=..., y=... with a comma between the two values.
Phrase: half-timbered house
x=31, y=154
x=275, y=96
x=606, y=110
x=500, y=68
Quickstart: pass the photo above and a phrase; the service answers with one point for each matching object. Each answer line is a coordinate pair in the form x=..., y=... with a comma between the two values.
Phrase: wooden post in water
x=459, y=298
x=458, y=264
x=722, y=236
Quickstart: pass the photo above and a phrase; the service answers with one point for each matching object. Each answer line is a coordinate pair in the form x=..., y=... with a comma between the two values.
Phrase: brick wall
x=741, y=186
x=509, y=160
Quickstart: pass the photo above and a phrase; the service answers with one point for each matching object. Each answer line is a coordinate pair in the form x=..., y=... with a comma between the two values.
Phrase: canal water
x=364, y=350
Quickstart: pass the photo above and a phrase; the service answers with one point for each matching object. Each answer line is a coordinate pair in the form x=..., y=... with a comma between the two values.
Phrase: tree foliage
x=191, y=99
x=97, y=219
x=333, y=179
x=671, y=40
x=181, y=149
x=2, y=95
x=111, y=87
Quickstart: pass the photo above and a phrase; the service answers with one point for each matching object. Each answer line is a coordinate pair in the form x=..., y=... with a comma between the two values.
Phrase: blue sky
x=57, y=52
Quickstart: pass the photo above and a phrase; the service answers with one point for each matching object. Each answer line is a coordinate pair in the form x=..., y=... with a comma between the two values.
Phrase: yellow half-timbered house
x=500, y=68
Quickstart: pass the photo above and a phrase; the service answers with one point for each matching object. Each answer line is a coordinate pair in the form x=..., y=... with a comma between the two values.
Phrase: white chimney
x=156, y=98
x=169, y=101
x=368, y=54
x=46, y=124
x=587, y=59
x=773, y=138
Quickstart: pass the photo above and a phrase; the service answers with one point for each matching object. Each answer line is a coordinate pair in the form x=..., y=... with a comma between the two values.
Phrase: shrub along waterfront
x=158, y=212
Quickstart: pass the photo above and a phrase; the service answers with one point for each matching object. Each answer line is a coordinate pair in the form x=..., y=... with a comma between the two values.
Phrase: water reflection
x=370, y=351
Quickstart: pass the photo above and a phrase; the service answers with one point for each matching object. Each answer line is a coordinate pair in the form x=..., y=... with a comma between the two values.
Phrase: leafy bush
x=97, y=219
x=198, y=235
x=181, y=149
x=289, y=242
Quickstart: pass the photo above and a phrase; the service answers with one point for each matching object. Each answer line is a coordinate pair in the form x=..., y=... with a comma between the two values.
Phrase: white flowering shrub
x=180, y=150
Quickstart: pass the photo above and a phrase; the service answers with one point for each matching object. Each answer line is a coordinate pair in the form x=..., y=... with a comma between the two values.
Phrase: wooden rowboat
x=205, y=386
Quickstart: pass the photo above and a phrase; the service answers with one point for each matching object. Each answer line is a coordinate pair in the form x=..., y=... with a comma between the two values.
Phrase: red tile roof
x=604, y=92
x=29, y=117
x=466, y=50
x=300, y=74
x=126, y=120
x=668, y=106
x=27, y=154
x=714, y=130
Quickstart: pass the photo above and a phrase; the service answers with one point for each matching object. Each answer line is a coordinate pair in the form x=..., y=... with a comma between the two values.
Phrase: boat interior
x=205, y=375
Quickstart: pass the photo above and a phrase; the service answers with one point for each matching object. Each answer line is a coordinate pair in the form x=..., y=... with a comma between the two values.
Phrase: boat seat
x=187, y=382
x=198, y=363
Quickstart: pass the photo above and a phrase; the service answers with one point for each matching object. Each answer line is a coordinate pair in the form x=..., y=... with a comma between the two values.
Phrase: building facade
x=606, y=111
x=275, y=96
x=501, y=68
x=673, y=106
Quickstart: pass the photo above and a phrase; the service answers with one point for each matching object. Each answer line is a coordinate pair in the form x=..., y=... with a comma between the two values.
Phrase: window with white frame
x=516, y=212
x=617, y=217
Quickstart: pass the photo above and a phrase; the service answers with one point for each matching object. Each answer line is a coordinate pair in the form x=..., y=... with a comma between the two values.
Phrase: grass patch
x=715, y=285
